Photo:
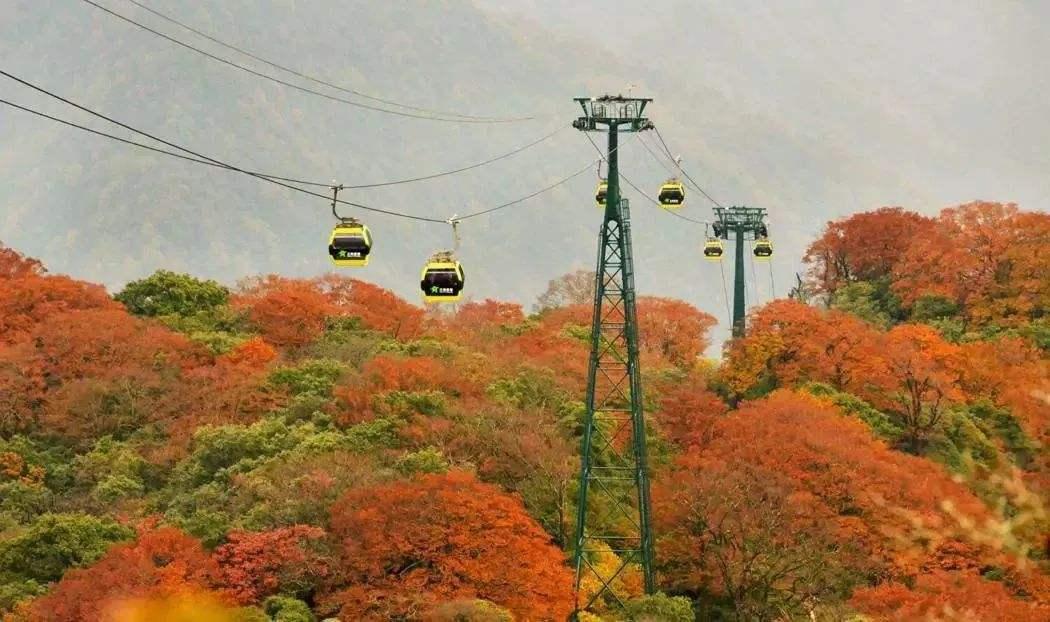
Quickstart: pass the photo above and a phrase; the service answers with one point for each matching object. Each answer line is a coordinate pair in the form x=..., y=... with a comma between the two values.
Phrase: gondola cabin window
x=349, y=246
x=440, y=282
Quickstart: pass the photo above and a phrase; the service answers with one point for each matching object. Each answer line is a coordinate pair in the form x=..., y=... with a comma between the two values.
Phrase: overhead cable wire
x=203, y=159
x=113, y=137
x=527, y=197
x=721, y=266
x=297, y=87
x=212, y=161
x=461, y=169
x=548, y=188
x=660, y=161
x=410, y=180
x=72, y=103
x=683, y=171
x=198, y=160
x=316, y=80
x=264, y=178
x=754, y=281
x=725, y=292
x=639, y=190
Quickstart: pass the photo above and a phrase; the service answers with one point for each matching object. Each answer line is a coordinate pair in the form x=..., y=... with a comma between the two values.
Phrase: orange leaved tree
x=914, y=375
x=377, y=308
x=29, y=298
x=14, y=264
x=673, y=330
x=88, y=373
x=161, y=562
x=482, y=323
x=942, y=595
x=818, y=477
x=986, y=258
x=408, y=546
x=790, y=342
x=288, y=312
x=288, y=560
x=863, y=247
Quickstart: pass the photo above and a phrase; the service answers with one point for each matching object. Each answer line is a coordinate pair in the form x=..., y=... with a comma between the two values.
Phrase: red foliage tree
x=520, y=450
x=1021, y=289
x=162, y=561
x=91, y=372
x=911, y=371
x=29, y=298
x=16, y=265
x=378, y=308
x=558, y=342
x=984, y=257
x=947, y=595
x=672, y=331
x=88, y=373
x=854, y=484
x=288, y=312
x=252, y=354
x=915, y=376
x=865, y=246
x=489, y=312
x=575, y=315
x=256, y=565
x=790, y=342
x=410, y=545
x=687, y=415
x=383, y=373
x=477, y=322
x=748, y=534
x=1013, y=374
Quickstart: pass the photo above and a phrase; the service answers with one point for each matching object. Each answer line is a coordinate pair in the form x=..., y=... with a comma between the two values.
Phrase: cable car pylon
x=613, y=510
x=742, y=222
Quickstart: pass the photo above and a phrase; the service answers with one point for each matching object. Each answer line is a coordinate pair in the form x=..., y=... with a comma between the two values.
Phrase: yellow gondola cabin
x=601, y=193
x=442, y=279
x=713, y=249
x=350, y=244
x=672, y=194
x=763, y=249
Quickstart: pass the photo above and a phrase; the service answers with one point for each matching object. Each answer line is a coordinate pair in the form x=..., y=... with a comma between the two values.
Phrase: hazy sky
x=949, y=82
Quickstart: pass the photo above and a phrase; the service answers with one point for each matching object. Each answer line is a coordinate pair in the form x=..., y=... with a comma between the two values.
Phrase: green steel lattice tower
x=613, y=504
x=741, y=222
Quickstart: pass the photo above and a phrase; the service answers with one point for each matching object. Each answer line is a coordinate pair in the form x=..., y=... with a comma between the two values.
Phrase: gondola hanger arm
x=336, y=187
x=453, y=220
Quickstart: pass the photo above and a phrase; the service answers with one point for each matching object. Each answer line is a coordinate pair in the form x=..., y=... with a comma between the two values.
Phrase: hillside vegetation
x=292, y=449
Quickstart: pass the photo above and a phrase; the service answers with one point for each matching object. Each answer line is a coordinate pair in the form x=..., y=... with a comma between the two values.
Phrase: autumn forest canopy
x=291, y=450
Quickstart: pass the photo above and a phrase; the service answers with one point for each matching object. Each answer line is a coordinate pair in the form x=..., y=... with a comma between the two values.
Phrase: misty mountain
x=944, y=98
x=791, y=122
